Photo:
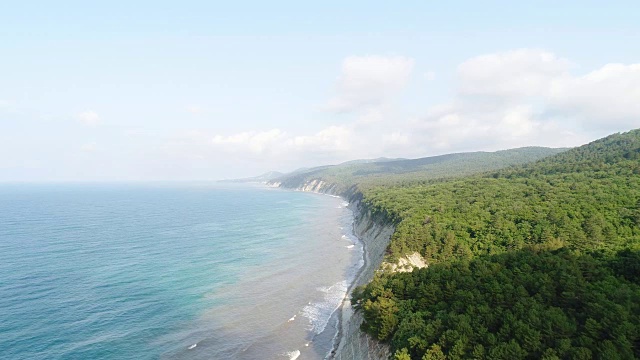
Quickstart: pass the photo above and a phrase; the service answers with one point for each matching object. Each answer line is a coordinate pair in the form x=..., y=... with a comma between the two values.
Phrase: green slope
x=490, y=237
x=398, y=171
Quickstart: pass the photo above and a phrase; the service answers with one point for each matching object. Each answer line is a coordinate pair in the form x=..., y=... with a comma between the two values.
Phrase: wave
x=293, y=355
x=349, y=246
x=319, y=313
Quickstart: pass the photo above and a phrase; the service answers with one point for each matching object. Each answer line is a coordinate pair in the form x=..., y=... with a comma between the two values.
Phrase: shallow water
x=188, y=271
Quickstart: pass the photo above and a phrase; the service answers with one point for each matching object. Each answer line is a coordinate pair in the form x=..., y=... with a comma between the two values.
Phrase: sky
x=205, y=90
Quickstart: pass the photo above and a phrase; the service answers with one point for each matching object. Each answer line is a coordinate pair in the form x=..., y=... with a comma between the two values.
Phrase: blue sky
x=207, y=90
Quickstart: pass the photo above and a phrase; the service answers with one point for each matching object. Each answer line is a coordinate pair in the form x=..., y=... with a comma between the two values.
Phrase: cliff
x=375, y=233
x=315, y=185
x=337, y=179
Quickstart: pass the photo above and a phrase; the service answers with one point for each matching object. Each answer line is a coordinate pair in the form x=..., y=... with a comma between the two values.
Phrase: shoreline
x=345, y=311
x=347, y=342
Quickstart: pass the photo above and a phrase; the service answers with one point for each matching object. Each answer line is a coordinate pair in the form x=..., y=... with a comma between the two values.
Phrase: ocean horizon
x=172, y=271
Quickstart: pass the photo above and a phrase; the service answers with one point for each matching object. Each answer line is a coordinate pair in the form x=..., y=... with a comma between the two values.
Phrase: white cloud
x=523, y=72
x=369, y=81
x=331, y=139
x=397, y=138
x=429, y=75
x=194, y=109
x=468, y=128
x=89, y=118
x=254, y=142
x=89, y=147
x=276, y=143
x=504, y=100
x=529, y=97
x=607, y=98
x=371, y=116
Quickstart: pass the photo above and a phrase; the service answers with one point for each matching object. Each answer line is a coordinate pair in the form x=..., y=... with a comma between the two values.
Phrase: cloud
x=529, y=97
x=277, y=143
x=334, y=139
x=516, y=73
x=465, y=127
x=504, y=100
x=89, y=147
x=369, y=81
x=89, y=118
x=194, y=109
x=253, y=142
x=605, y=98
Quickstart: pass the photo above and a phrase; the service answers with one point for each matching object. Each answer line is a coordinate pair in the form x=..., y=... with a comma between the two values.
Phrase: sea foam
x=293, y=355
x=320, y=312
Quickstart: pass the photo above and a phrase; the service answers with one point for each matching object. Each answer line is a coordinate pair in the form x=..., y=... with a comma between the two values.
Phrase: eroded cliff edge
x=374, y=230
x=375, y=233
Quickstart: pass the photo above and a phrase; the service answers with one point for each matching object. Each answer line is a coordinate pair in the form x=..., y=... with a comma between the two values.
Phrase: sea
x=172, y=271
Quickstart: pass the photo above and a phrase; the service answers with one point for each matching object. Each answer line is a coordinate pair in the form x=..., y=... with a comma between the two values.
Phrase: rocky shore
x=375, y=234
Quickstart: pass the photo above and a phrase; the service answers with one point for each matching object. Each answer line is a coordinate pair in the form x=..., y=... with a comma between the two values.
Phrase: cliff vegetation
x=534, y=261
x=341, y=178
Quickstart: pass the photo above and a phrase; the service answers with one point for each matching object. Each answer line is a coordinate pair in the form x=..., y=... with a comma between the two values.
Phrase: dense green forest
x=533, y=261
x=408, y=171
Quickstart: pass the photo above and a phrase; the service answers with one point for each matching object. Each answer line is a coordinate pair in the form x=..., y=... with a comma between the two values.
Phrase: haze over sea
x=147, y=271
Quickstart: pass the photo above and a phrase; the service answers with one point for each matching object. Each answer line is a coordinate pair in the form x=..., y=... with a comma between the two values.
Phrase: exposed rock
x=375, y=234
x=406, y=263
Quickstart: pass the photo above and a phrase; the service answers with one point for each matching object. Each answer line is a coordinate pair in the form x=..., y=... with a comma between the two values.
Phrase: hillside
x=398, y=171
x=534, y=261
x=268, y=176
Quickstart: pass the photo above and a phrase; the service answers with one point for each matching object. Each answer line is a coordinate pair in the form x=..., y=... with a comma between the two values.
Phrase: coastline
x=342, y=314
x=375, y=235
x=348, y=342
x=345, y=311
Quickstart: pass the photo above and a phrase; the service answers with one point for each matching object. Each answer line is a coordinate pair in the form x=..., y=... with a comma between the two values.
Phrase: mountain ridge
x=340, y=178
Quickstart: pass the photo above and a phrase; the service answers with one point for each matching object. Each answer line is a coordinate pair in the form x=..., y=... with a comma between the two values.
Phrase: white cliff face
x=406, y=263
x=313, y=185
x=375, y=235
x=355, y=344
x=319, y=186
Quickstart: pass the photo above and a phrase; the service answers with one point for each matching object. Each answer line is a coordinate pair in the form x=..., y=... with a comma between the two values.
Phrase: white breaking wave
x=192, y=346
x=293, y=318
x=350, y=246
x=320, y=312
x=293, y=355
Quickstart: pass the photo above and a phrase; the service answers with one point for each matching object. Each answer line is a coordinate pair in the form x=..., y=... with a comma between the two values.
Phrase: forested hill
x=396, y=171
x=621, y=151
x=538, y=261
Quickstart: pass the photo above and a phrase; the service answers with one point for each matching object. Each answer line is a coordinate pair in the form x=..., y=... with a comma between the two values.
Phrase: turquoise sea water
x=189, y=271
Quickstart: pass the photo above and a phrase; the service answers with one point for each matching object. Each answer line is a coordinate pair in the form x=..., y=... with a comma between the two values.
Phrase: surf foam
x=293, y=355
x=319, y=313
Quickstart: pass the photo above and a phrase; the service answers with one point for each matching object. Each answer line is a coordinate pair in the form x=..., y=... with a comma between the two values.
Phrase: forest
x=533, y=261
x=403, y=171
